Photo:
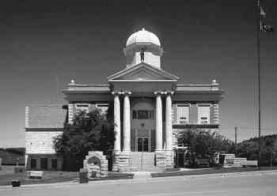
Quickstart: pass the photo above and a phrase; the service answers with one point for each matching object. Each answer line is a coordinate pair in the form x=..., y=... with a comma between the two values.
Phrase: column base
x=115, y=160
x=123, y=161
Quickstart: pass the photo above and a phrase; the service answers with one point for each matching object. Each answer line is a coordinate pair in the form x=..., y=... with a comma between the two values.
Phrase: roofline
x=46, y=129
x=201, y=91
x=143, y=80
x=117, y=74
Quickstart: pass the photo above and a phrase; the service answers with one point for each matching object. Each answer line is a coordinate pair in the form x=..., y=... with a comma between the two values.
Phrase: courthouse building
x=150, y=108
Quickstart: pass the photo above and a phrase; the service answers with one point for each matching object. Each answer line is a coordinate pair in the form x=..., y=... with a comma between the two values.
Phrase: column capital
x=116, y=92
x=170, y=93
x=163, y=92
x=159, y=92
x=127, y=93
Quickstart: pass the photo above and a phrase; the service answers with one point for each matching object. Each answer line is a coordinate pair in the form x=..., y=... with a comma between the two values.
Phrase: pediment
x=143, y=72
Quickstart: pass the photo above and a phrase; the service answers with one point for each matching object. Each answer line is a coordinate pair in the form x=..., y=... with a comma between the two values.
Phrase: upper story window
x=183, y=113
x=204, y=113
x=82, y=107
x=143, y=114
x=103, y=107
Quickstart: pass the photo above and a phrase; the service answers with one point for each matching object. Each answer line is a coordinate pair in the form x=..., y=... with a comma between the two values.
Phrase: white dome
x=143, y=36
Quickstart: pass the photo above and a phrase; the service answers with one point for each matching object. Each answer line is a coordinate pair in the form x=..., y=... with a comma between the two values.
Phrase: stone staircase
x=143, y=161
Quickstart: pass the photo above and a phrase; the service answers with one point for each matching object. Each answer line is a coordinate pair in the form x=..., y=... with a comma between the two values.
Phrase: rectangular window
x=33, y=163
x=103, y=107
x=44, y=163
x=182, y=113
x=204, y=114
x=54, y=163
x=82, y=107
x=151, y=114
x=143, y=114
x=134, y=114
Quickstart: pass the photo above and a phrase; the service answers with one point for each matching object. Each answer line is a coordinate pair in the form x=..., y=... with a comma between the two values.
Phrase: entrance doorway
x=143, y=144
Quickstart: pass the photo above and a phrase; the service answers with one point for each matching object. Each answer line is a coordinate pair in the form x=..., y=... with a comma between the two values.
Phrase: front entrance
x=142, y=140
x=143, y=144
x=143, y=125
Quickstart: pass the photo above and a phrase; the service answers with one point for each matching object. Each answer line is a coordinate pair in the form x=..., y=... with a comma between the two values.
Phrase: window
x=44, y=163
x=204, y=114
x=103, y=107
x=33, y=163
x=143, y=114
x=82, y=107
x=182, y=113
x=54, y=163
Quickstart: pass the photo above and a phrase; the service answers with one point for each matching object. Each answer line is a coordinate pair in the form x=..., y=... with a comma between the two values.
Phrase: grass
x=7, y=175
x=207, y=171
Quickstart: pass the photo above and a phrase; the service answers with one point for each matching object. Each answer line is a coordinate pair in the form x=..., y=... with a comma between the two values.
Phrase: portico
x=159, y=96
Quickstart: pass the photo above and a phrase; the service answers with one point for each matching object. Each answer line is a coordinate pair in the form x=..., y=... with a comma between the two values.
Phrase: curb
x=135, y=180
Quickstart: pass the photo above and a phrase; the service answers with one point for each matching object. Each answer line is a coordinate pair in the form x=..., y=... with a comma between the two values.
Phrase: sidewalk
x=141, y=177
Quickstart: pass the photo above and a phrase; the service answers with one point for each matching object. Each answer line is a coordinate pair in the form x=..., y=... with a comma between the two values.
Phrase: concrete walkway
x=141, y=175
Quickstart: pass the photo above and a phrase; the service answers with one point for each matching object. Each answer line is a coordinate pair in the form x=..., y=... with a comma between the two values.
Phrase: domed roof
x=143, y=36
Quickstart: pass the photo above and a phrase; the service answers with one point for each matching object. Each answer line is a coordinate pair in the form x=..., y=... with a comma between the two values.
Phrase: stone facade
x=40, y=142
x=150, y=109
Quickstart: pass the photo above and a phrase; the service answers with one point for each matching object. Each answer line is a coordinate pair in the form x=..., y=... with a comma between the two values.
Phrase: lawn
x=176, y=172
x=7, y=175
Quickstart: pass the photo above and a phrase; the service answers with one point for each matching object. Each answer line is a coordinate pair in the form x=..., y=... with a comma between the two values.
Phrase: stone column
x=126, y=123
x=168, y=122
x=117, y=124
x=159, y=121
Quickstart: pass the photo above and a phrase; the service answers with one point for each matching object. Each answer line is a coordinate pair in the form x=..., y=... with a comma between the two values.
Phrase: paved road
x=253, y=184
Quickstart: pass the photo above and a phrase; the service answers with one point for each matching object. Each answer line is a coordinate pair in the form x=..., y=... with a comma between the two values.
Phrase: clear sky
x=45, y=44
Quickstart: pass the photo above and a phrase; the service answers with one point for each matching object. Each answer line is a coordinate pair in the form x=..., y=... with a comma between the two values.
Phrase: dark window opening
x=44, y=163
x=33, y=163
x=143, y=114
x=54, y=163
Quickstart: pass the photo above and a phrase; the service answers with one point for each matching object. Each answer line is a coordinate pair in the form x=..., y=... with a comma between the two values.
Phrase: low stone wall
x=123, y=160
x=96, y=164
x=164, y=159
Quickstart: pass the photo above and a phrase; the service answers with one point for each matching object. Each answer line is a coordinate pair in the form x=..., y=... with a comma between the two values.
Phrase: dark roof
x=46, y=116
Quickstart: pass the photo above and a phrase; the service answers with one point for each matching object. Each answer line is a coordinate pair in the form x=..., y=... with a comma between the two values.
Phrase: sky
x=45, y=44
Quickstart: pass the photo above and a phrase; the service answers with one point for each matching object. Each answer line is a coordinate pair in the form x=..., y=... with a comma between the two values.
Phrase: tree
x=249, y=149
x=203, y=144
x=89, y=131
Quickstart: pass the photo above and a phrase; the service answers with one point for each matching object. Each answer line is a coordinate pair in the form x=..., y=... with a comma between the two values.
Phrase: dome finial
x=143, y=29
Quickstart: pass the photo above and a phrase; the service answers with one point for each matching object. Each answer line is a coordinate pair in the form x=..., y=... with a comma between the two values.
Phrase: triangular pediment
x=143, y=72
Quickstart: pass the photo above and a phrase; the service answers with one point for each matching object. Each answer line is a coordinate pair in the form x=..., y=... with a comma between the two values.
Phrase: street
x=250, y=183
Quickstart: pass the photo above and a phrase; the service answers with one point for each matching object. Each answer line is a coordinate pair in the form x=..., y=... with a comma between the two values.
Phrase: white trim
x=209, y=114
x=143, y=81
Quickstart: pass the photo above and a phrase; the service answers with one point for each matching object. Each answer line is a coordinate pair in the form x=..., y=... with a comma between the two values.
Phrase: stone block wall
x=164, y=159
x=96, y=163
x=40, y=142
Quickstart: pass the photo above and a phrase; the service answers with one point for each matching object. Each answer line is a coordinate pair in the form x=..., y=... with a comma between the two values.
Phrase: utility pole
x=259, y=19
x=236, y=137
